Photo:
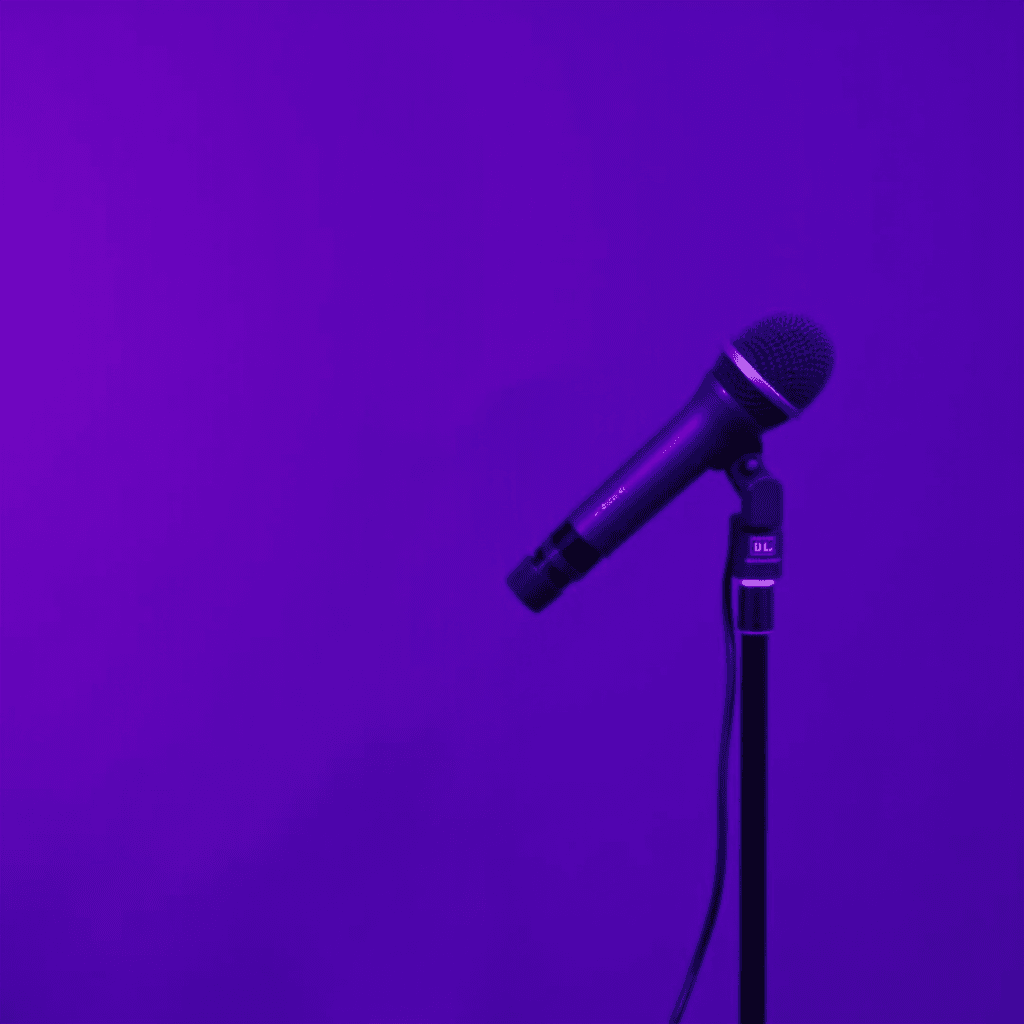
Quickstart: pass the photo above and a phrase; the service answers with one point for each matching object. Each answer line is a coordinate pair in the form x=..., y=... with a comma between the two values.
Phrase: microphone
x=766, y=376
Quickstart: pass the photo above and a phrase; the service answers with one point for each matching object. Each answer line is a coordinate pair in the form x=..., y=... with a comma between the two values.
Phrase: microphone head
x=775, y=368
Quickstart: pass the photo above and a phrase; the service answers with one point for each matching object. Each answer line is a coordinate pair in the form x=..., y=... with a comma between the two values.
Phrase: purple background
x=317, y=318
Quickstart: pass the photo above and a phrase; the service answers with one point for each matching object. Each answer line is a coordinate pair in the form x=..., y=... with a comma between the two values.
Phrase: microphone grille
x=791, y=353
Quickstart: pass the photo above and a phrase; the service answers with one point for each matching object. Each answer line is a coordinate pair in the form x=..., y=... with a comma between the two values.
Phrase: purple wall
x=317, y=318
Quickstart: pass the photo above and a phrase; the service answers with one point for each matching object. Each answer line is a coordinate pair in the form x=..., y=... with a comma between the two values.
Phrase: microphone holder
x=755, y=556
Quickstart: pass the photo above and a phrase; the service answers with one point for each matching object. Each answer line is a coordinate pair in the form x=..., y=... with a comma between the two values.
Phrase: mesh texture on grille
x=791, y=353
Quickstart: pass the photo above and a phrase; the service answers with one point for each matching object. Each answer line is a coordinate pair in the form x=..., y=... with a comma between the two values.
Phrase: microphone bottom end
x=531, y=586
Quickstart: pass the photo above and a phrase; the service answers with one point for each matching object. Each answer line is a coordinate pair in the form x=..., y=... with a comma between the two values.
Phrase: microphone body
x=710, y=432
x=770, y=374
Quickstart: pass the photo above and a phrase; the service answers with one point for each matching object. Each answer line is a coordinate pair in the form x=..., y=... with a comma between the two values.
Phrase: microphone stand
x=755, y=545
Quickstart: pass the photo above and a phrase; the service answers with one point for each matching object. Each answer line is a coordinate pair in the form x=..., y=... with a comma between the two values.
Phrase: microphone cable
x=723, y=779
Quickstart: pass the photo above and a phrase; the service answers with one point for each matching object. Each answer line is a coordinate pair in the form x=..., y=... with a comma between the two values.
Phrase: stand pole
x=753, y=824
x=755, y=555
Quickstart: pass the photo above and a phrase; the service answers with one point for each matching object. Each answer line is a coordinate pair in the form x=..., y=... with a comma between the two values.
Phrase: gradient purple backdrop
x=316, y=319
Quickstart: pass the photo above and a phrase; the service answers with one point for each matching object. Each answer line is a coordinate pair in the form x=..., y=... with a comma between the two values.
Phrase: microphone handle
x=710, y=432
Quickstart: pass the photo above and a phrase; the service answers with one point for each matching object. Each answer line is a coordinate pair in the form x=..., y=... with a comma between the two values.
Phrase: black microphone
x=768, y=375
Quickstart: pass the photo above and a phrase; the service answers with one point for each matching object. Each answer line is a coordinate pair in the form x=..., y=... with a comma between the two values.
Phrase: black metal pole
x=753, y=819
x=756, y=561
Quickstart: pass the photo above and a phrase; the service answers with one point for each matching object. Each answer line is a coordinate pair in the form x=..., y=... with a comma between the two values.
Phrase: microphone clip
x=755, y=542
